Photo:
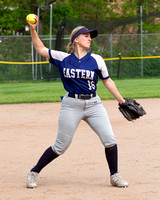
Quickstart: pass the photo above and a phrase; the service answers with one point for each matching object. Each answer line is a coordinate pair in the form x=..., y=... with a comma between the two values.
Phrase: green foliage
x=91, y=9
x=60, y=13
x=13, y=14
x=123, y=17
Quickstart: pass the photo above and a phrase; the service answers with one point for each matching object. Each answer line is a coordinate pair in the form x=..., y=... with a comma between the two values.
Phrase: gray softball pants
x=72, y=112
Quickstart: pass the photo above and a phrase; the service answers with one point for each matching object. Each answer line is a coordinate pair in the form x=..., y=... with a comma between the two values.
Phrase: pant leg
x=97, y=117
x=69, y=119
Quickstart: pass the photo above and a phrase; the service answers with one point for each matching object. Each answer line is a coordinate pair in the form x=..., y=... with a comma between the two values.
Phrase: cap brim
x=93, y=33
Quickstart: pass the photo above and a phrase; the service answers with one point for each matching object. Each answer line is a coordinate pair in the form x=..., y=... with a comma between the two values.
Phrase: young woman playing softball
x=79, y=72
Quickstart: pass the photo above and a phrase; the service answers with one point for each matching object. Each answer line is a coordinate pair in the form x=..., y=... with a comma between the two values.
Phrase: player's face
x=84, y=40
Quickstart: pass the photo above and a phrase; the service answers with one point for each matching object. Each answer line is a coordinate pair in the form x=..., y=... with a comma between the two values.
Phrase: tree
x=150, y=14
x=13, y=14
x=109, y=17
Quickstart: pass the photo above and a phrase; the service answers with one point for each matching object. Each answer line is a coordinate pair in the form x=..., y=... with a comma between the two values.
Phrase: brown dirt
x=26, y=130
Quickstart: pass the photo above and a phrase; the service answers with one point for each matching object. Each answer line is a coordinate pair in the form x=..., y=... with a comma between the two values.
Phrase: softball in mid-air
x=31, y=18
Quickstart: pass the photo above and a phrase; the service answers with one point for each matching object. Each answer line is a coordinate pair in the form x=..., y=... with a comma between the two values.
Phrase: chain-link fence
x=20, y=49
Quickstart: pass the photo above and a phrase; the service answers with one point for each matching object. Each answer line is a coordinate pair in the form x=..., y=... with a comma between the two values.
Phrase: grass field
x=43, y=91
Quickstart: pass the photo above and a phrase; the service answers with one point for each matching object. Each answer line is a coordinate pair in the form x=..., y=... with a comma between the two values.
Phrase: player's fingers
x=36, y=17
x=32, y=26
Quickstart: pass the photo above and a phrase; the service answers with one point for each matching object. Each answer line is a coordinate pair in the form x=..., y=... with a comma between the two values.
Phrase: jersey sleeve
x=103, y=71
x=56, y=56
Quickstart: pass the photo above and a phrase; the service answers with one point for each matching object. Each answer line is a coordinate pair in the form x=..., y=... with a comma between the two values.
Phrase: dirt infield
x=26, y=130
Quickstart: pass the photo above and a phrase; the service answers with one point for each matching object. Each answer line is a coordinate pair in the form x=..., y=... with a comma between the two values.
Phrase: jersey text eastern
x=78, y=73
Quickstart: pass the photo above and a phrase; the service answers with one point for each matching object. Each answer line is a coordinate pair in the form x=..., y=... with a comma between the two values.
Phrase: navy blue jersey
x=79, y=76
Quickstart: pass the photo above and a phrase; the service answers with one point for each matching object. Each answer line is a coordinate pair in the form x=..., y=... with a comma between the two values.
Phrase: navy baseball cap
x=93, y=33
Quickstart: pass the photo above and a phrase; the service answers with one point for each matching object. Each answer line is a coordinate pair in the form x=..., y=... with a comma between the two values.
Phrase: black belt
x=82, y=96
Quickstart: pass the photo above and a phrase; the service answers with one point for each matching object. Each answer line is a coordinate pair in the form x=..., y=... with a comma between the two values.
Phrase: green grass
x=42, y=91
x=30, y=92
x=134, y=88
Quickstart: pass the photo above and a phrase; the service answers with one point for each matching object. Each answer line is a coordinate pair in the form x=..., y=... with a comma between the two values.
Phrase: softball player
x=79, y=72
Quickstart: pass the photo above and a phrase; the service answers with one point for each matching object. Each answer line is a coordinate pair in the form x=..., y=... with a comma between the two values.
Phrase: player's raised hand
x=32, y=20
